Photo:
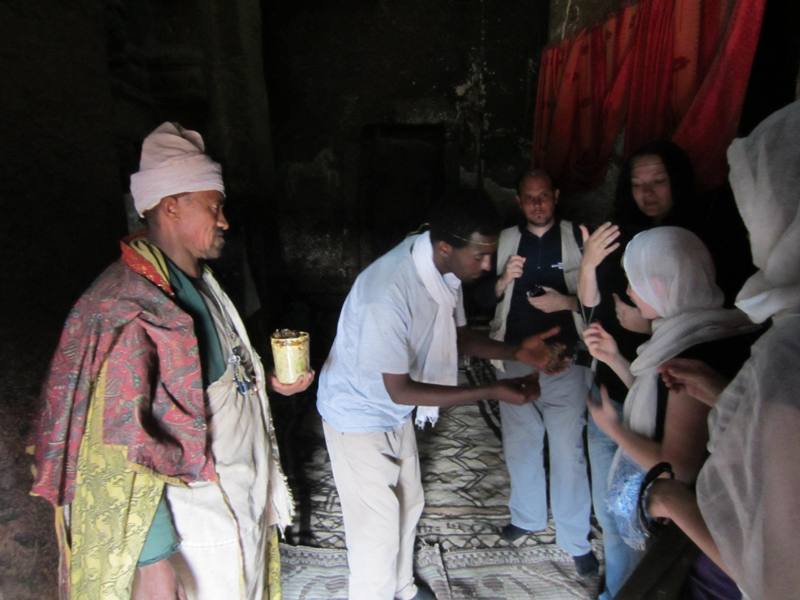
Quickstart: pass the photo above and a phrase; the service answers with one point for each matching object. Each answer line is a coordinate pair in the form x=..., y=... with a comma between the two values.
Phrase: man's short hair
x=462, y=213
x=534, y=173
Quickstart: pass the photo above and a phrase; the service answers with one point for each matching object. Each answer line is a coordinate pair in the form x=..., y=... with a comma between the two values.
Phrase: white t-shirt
x=386, y=326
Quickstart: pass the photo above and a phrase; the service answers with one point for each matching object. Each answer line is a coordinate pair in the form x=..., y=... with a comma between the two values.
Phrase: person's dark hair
x=462, y=213
x=681, y=181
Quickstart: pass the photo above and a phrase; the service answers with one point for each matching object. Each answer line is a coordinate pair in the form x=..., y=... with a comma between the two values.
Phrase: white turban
x=173, y=162
x=765, y=177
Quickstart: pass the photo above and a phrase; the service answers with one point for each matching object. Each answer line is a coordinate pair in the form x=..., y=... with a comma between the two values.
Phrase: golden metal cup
x=290, y=351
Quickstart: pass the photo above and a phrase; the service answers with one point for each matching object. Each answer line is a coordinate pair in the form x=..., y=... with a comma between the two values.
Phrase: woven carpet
x=512, y=574
x=460, y=552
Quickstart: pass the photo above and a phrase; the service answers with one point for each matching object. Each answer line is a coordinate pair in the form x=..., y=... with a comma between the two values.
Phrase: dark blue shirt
x=543, y=267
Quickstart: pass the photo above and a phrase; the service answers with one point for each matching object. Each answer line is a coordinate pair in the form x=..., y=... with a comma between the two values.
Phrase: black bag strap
x=576, y=231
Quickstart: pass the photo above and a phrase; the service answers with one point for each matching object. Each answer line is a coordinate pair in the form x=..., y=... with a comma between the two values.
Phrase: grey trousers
x=561, y=413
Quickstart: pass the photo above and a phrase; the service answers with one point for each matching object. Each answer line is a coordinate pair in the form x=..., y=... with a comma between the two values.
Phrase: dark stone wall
x=58, y=174
x=61, y=207
x=83, y=82
x=357, y=91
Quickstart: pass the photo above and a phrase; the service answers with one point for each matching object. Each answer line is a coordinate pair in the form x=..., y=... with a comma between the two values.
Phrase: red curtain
x=657, y=69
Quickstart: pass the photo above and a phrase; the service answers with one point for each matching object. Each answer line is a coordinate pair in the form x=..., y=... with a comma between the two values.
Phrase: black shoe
x=511, y=533
x=423, y=592
x=586, y=564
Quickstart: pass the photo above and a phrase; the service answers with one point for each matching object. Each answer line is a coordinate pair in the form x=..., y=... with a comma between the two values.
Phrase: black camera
x=536, y=291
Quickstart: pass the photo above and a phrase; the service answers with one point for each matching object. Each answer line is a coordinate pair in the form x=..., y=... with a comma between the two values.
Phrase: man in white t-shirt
x=397, y=343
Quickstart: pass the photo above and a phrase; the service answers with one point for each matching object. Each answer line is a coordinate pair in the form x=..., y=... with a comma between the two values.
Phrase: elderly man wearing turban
x=155, y=444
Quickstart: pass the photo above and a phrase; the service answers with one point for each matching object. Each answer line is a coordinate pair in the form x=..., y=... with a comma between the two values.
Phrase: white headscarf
x=765, y=177
x=671, y=270
x=749, y=487
x=173, y=162
x=441, y=363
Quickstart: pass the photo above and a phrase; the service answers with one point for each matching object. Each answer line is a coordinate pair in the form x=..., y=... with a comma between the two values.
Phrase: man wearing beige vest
x=537, y=267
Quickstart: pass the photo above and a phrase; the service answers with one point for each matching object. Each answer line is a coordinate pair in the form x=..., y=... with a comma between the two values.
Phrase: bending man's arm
x=534, y=351
x=404, y=390
x=472, y=343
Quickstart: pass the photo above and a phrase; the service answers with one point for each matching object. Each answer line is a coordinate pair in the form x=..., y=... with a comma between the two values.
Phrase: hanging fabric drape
x=657, y=69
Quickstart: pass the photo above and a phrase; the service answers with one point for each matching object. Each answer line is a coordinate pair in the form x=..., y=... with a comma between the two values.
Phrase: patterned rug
x=460, y=552
x=503, y=574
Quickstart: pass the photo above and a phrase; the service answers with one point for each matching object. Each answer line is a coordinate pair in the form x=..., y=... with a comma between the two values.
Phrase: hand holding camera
x=548, y=300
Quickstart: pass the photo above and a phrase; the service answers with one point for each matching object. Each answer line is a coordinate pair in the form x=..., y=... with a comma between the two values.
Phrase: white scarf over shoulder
x=441, y=364
x=671, y=270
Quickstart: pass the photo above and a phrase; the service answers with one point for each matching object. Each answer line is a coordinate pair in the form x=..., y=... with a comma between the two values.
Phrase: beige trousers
x=378, y=479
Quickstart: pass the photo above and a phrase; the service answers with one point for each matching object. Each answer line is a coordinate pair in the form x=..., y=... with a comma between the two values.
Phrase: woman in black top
x=672, y=282
x=656, y=186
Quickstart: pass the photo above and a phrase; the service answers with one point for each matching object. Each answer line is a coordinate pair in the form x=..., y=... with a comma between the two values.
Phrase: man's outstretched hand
x=534, y=351
x=289, y=389
x=516, y=391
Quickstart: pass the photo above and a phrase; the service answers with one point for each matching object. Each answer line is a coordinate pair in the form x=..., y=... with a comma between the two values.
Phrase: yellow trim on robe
x=273, y=590
x=111, y=514
x=152, y=254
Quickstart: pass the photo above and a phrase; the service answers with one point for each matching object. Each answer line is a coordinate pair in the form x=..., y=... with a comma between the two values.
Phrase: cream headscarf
x=671, y=270
x=748, y=489
x=765, y=177
x=173, y=161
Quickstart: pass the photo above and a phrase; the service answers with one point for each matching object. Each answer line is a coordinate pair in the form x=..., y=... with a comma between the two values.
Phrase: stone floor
x=28, y=556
